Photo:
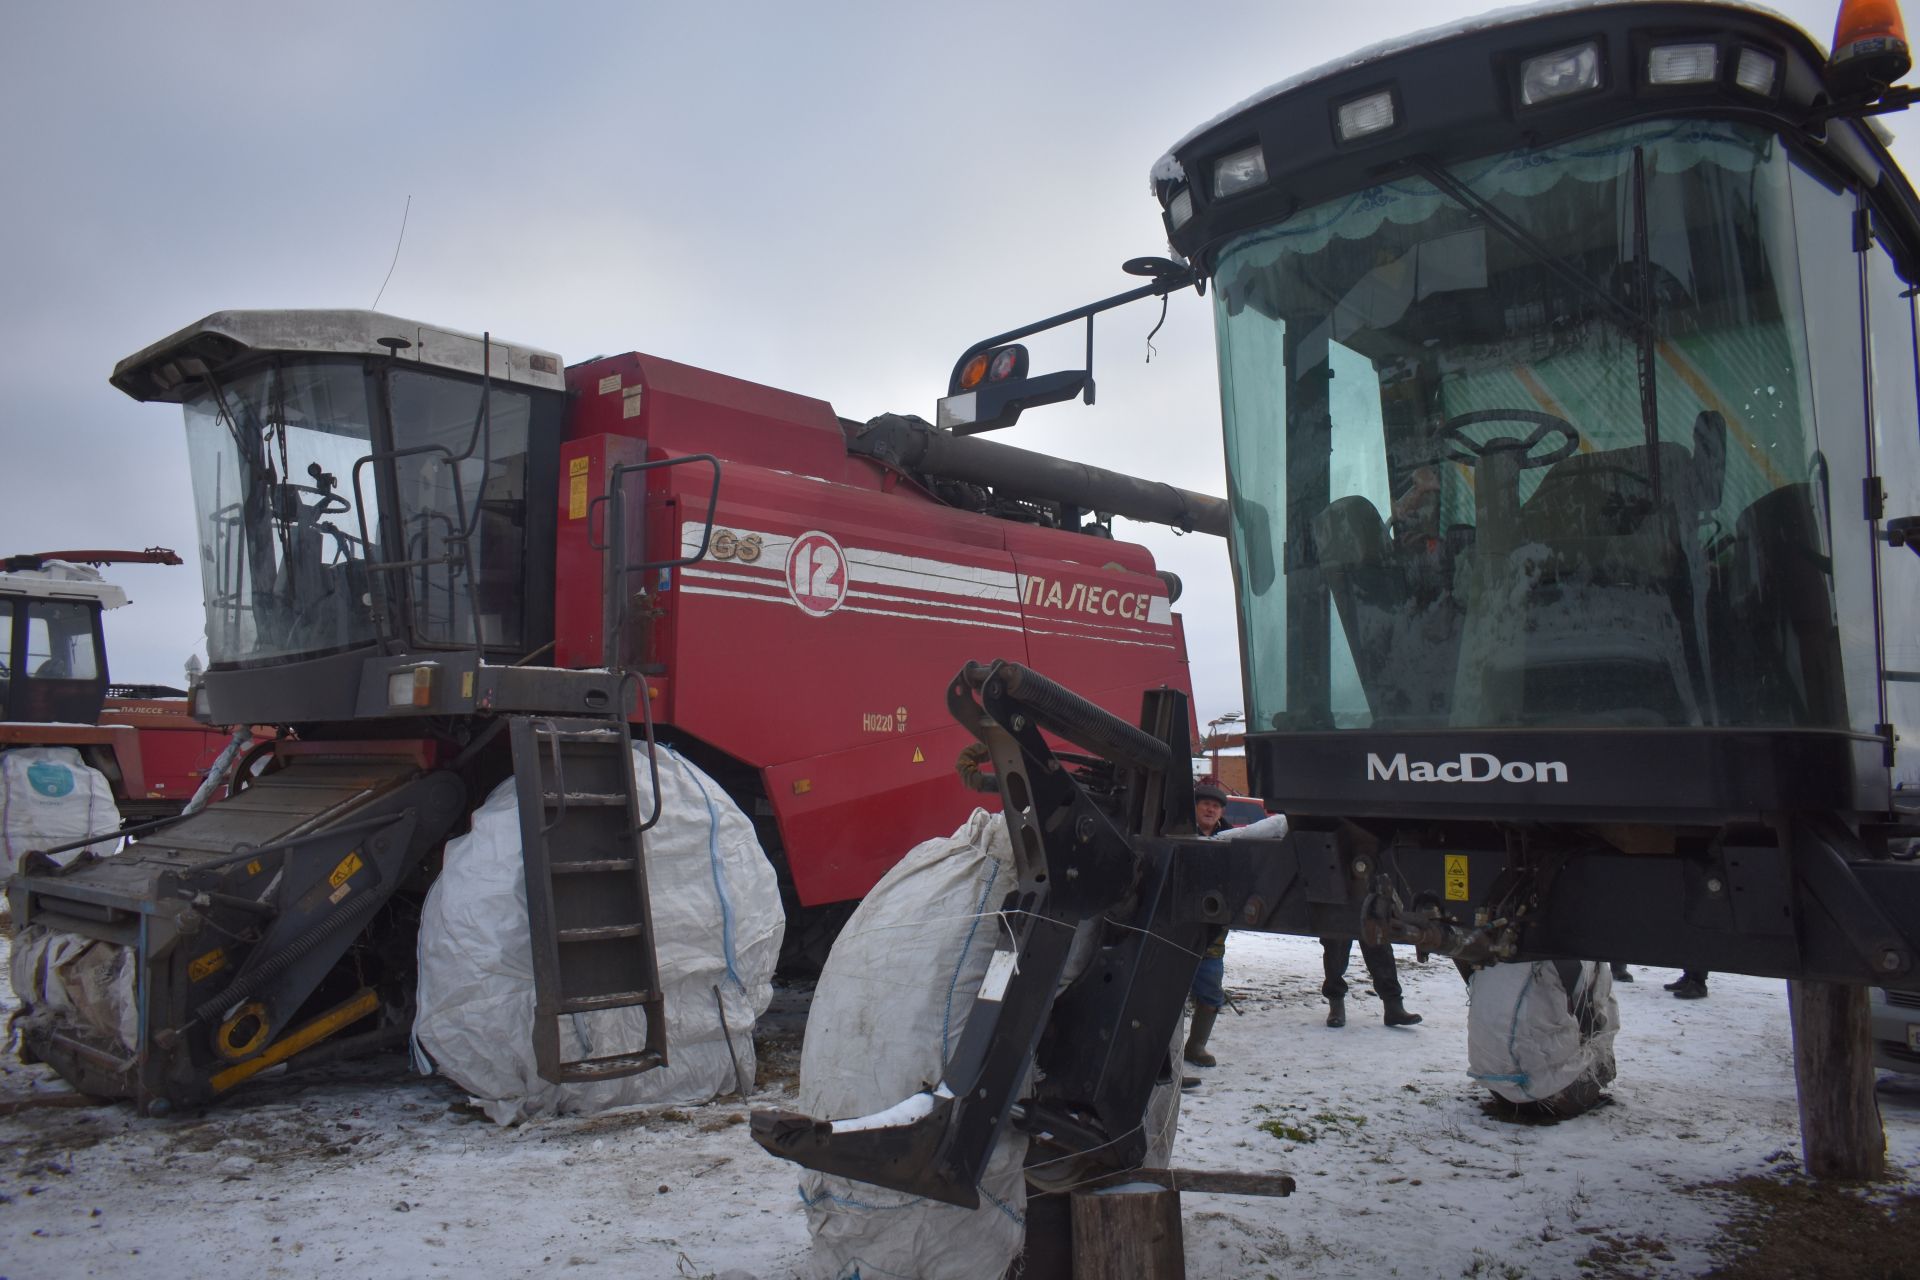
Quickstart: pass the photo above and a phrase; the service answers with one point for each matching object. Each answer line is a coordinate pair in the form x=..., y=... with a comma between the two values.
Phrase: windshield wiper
x=1478, y=205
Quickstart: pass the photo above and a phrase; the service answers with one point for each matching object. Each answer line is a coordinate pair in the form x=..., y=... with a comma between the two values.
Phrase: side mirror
x=980, y=401
x=990, y=387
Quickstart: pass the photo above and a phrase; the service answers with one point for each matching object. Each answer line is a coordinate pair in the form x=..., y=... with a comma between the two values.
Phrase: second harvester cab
x=1568, y=382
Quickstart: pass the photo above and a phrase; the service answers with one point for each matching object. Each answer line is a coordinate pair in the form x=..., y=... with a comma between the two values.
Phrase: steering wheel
x=1457, y=446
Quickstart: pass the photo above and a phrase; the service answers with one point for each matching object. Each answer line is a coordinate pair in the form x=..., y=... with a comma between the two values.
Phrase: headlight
x=1755, y=72
x=1684, y=64
x=1362, y=116
x=1180, y=208
x=1241, y=171
x=1560, y=74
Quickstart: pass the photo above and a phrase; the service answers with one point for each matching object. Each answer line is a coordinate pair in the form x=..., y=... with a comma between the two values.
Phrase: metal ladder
x=587, y=909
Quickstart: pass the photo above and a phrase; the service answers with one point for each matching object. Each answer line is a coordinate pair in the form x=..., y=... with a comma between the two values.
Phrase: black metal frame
x=1106, y=875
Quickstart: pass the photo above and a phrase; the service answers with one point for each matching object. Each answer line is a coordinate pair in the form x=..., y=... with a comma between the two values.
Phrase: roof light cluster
x=1722, y=63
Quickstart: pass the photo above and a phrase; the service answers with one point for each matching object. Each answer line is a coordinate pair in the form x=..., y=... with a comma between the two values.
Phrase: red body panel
x=815, y=640
x=175, y=749
x=120, y=743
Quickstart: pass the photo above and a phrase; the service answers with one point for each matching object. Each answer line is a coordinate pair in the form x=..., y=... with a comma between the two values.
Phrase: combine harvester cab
x=1567, y=365
x=436, y=562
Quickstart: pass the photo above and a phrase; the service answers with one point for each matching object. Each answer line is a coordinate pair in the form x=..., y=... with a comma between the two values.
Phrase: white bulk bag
x=717, y=923
x=1535, y=1031
x=50, y=796
x=890, y=1006
x=65, y=978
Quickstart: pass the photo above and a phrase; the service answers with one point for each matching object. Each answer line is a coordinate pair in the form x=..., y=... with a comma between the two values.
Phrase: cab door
x=62, y=677
x=1895, y=465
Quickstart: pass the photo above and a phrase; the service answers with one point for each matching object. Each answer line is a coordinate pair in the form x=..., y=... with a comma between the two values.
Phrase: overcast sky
x=830, y=198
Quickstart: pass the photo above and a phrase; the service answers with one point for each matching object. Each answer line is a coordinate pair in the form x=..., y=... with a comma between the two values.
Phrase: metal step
x=612, y=1000
x=592, y=866
x=605, y=932
x=615, y=1067
x=584, y=797
x=587, y=907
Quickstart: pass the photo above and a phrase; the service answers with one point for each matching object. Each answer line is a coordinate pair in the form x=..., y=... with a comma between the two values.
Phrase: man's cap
x=1209, y=788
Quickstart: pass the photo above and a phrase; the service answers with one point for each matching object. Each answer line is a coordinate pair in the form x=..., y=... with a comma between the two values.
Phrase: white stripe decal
x=777, y=587
x=1101, y=627
x=753, y=579
x=884, y=568
x=874, y=568
x=1070, y=635
x=941, y=604
x=848, y=608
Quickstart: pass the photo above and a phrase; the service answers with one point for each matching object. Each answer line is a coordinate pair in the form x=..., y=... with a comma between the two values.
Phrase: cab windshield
x=294, y=566
x=282, y=542
x=1529, y=441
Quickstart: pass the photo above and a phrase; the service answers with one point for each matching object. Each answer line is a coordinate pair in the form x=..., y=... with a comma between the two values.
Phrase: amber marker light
x=975, y=372
x=1870, y=41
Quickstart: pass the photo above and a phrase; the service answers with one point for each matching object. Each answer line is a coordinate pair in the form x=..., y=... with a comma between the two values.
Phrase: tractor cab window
x=462, y=477
x=283, y=537
x=60, y=641
x=1530, y=441
x=60, y=678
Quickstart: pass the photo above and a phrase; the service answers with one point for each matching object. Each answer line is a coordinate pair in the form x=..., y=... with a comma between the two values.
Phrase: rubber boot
x=1397, y=1015
x=1621, y=973
x=1197, y=1032
x=1690, y=989
x=1336, y=1011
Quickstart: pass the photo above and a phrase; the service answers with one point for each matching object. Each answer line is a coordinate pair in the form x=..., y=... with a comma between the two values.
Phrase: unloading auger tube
x=917, y=446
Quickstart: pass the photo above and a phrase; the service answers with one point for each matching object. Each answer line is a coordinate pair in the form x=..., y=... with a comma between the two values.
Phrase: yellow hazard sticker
x=348, y=865
x=207, y=965
x=466, y=684
x=1456, y=877
x=578, y=466
x=576, y=497
x=919, y=757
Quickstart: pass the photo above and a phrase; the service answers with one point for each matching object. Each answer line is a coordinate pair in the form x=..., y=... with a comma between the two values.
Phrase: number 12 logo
x=817, y=573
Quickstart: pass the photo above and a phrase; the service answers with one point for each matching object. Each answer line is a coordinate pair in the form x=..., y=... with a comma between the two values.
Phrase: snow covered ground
x=367, y=1172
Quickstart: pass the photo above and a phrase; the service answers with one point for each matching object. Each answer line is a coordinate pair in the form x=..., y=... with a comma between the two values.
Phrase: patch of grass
x=1291, y=1128
x=1484, y=1266
x=1619, y=1257
x=1287, y=1132
x=1786, y=1226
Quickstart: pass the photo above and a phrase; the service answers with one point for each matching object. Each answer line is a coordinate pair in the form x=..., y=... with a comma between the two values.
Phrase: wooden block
x=1128, y=1230
x=1840, y=1130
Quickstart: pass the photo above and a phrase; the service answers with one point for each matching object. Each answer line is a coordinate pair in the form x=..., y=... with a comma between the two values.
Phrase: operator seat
x=1614, y=608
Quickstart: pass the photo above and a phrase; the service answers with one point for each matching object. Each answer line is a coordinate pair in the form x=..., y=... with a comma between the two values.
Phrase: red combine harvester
x=55, y=690
x=438, y=561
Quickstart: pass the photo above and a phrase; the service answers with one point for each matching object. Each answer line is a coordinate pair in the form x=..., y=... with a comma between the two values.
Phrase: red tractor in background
x=55, y=690
x=436, y=561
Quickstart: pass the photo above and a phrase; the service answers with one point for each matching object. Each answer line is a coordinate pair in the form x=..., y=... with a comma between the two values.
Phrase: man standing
x=1690, y=985
x=1380, y=967
x=1209, y=990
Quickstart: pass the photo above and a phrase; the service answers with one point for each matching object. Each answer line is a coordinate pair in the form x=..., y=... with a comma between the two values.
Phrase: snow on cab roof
x=1167, y=168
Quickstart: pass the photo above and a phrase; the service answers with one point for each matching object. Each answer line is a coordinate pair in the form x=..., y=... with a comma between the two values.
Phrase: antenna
x=396, y=254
